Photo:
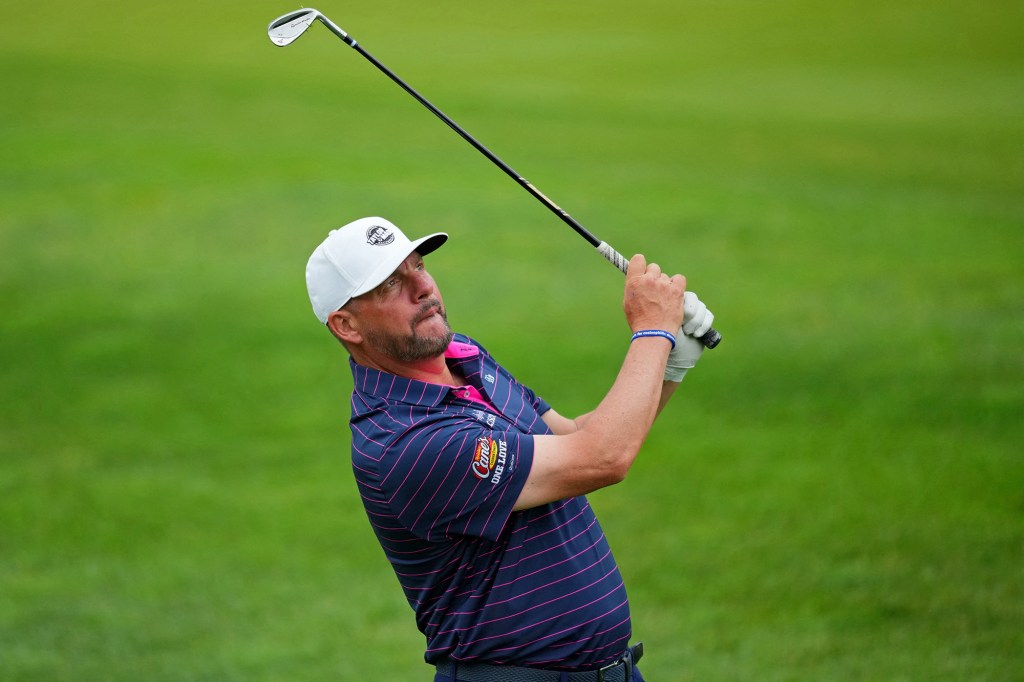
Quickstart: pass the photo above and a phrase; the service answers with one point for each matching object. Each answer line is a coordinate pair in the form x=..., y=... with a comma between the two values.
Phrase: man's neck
x=432, y=370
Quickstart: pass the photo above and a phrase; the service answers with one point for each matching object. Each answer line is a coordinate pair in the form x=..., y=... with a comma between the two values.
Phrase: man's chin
x=429, y=339
x=426, y=347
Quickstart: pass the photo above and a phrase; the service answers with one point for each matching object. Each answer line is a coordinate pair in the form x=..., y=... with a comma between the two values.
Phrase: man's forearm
x=599, y=452
x=668, y=389
x=562, y=426
x=619, y=424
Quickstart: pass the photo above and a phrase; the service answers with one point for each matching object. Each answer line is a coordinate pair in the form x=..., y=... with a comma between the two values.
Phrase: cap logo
x=379, y=236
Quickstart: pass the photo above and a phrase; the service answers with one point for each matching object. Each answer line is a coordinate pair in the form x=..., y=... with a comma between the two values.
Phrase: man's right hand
x=652, y=299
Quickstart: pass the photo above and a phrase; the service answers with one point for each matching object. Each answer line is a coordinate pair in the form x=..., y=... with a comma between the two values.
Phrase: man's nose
x=423, y=284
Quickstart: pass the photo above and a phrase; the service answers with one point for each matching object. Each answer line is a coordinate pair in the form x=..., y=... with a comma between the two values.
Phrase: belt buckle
x=626, y=660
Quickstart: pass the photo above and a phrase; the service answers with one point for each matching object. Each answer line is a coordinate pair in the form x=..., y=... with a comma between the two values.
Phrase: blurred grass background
x=836, y=494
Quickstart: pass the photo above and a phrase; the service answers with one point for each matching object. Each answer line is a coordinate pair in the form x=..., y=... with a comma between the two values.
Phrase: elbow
x=617, y=467
x=614, y=477
x=604, y=461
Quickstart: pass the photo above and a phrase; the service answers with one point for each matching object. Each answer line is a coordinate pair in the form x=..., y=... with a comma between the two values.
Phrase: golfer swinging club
x=473, y=485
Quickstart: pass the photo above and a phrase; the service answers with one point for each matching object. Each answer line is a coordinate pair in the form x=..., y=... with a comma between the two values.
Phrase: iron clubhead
x=286, y=28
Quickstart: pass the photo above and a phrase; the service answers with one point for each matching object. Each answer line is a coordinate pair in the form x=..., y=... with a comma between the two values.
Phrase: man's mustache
x=427, y=308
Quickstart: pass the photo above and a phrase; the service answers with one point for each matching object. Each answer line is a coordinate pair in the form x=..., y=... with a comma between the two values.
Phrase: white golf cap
x=354, y=259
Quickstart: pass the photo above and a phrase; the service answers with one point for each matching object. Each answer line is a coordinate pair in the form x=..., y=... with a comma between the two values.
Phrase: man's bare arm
x=598, y=449
x=563, y=426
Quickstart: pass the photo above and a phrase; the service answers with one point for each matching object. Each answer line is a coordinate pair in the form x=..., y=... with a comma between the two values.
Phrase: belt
x=620, y=670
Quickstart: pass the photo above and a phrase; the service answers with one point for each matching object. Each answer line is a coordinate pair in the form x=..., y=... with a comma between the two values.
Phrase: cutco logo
x=379, y=236
x=489, y=457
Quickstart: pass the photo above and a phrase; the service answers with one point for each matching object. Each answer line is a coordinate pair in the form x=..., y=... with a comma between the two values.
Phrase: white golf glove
x=697, y=320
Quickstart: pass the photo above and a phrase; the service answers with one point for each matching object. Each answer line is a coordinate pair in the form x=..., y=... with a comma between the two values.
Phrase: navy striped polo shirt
x=439, y=469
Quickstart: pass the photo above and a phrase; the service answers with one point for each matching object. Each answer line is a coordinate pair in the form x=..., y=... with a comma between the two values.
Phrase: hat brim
x=422, y=246
x=432, y=242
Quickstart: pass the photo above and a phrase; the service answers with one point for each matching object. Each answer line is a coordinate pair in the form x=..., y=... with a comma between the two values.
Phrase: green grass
x=836, y=494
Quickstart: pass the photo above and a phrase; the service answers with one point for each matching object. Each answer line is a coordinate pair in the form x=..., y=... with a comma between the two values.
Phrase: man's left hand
x=697, y=321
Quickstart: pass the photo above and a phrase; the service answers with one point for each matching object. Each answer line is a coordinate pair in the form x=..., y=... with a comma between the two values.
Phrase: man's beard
x=413, y=347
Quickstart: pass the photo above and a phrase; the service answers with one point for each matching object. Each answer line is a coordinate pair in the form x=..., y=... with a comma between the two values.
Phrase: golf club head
x=288, y=27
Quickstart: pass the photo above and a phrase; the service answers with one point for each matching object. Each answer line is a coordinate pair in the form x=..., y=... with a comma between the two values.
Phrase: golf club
x=285, y=29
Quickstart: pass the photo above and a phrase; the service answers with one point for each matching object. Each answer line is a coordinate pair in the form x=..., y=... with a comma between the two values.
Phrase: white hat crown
x=356, y=258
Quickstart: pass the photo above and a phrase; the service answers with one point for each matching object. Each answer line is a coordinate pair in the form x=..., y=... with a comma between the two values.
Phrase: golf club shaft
x=710, y=339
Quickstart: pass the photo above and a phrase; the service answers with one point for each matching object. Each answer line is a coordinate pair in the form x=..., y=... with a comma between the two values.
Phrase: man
x=473, y=485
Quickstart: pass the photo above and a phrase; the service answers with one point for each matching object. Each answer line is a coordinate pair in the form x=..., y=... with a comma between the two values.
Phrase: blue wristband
x=655, y=332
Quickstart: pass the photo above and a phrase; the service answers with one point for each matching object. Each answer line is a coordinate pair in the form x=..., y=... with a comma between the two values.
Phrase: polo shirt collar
x=392, y=387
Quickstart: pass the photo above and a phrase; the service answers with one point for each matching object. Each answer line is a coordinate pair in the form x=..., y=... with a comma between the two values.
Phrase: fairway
x=837, y=491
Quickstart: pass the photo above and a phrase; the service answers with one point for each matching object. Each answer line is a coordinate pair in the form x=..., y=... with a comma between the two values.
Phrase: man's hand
x=687, y=351
x=697, y=319
x=652, y=299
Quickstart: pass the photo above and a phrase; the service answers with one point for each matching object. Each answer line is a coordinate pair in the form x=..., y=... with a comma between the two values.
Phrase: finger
x=692, y=306
x=690, y=302
x=700, y=321
x=709, y=319
x=637, y=266
x=695, y=315
x=693, y=325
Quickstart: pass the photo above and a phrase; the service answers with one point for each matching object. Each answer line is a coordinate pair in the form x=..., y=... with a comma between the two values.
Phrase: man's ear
x=343, y=325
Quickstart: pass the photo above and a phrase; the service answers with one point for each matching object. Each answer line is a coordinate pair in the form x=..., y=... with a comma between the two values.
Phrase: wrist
x=654, y=333
x=675, y=374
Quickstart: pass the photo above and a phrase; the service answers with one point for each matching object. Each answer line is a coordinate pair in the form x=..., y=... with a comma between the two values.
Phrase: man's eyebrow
x=380, y=287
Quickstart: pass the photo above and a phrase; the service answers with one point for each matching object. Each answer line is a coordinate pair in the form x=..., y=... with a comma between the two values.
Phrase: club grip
x=711, y=337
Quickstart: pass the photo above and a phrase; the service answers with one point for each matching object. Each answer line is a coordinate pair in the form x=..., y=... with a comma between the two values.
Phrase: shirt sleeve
x=536, y=402
x=453, y=478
